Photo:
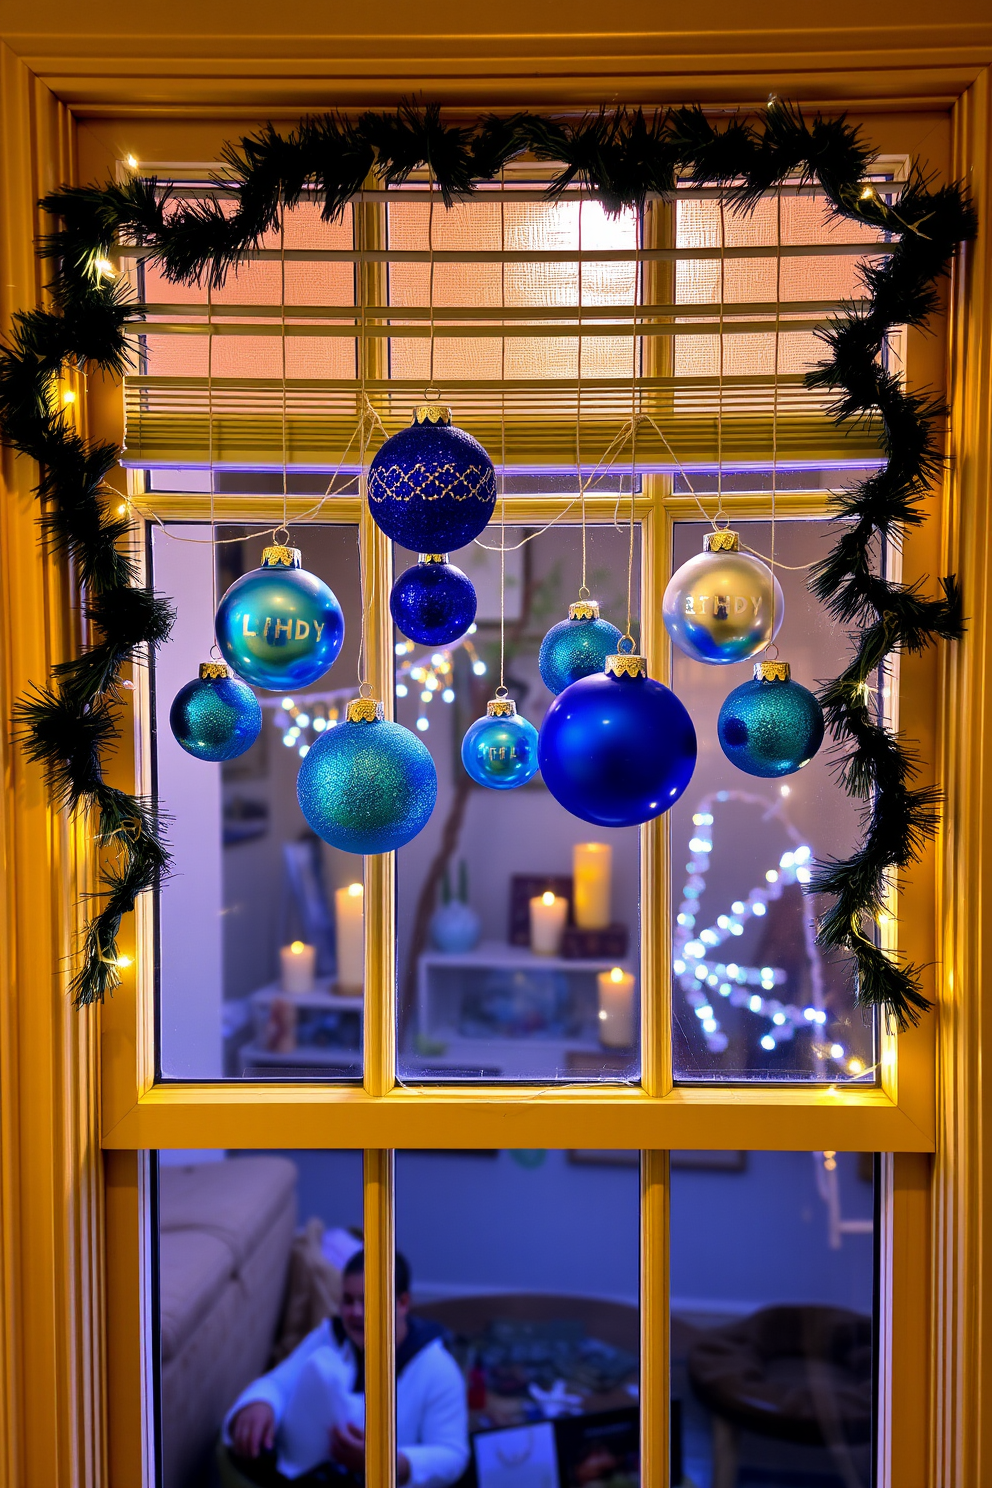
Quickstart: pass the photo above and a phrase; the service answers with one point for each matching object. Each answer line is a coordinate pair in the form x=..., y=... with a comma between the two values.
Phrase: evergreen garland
x=622, y=158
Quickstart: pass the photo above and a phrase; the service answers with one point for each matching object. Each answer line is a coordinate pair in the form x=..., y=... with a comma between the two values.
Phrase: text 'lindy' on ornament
x=432, y=487
x=279, y=626
x=215, y=717
x=723, y=605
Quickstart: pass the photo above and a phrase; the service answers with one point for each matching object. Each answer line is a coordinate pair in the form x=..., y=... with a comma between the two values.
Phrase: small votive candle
x=591, y=864
x=349, y=925
x=616, y=1008
x=297, y=965
x=547, y=921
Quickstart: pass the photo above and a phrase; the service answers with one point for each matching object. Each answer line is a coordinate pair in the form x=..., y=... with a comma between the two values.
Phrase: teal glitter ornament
x=216, y=717
x=367, y=786
x=500, y=750
x=770, y=726
x=279, y=626
x=576, y=647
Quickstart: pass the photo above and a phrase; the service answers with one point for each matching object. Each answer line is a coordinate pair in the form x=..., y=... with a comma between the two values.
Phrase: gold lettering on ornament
x=319, y=629
x=244, y=627
x=287, y=626
x=283, y=629
x=302, y=630
x=700, y=604
x=265, y=631
x=498, y=753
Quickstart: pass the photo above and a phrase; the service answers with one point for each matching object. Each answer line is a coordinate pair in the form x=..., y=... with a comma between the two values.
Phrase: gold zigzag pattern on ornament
x=469, y=483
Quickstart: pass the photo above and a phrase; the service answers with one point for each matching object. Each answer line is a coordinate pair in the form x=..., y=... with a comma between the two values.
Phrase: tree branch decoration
x=70, y=723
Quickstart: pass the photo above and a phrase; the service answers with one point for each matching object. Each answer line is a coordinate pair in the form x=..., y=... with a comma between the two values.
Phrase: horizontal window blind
x=546, y=325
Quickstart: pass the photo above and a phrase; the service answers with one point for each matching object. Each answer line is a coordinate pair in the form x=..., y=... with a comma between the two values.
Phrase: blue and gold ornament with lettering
x=723, y=605
x=500, y=750
x=770, y=726
x=432, y=487
x=215, y=717
x=576, y=647
x=367, y=786
x=618, y=748
x=433, y=602
x=279, y=626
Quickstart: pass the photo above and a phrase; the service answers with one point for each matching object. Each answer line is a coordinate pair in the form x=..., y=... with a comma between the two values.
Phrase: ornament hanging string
x=282, y=350
x=775, y=375
x=214, y=648
x=721, y=342
x=501, y=690
x=583, y=588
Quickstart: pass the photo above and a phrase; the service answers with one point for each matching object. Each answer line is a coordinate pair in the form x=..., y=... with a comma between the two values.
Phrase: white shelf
x=321, y=997
x=495, y=955
x=324, y=1055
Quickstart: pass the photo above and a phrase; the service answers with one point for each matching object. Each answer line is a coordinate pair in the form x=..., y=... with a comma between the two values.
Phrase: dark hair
x=356, y=1266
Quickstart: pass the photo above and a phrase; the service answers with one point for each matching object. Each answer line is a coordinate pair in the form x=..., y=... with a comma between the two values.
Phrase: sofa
x=226, y=1231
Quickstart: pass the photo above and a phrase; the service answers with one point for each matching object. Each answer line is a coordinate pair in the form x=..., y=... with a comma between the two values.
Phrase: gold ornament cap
x=626, y=664
x=772, y=671
x=364, y=710
x=214, y=671
x=722, y=541
x=584, y=609
x=501, y=708
x=432, y=413
x=279, y=556
x=432, y=557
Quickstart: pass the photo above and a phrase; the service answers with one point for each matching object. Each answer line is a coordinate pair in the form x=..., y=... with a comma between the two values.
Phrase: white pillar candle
x=349, y=924
x=616, y=1008
x=297, y=964
x=547, y=921
x=591, y=863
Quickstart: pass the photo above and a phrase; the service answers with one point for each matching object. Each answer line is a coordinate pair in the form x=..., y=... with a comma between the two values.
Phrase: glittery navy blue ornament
x=216, y=717
x=617, y=749
x=576, y=647
x=500, y=750
x=770, y=726
x=723, y=605
x=432, y=487
x=279, y=626
x=367, y=786
x=433, y=602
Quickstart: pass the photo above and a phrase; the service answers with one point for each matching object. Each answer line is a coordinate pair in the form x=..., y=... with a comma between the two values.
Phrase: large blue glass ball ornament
x=367, y=786
x=770, y=726
x=432, y=487
x=619, y=748
x=723, y=605
x=500, y=750
x=279, y=626
x=216, y=717
x=576, y=647
x=433, y=602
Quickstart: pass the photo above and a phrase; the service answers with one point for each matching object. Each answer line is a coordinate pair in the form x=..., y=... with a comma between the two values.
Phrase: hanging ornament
x=770, y=726
x=619, y=748
x=433, y=602
x=432, y=487
x=576, y=647
x=500, y=750
x=719, y=606
x=367, y=786
x=216, y=717
x=279, y=626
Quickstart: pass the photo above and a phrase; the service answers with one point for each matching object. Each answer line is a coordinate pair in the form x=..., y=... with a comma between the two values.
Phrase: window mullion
x=380, y=1319
x=655, y=1394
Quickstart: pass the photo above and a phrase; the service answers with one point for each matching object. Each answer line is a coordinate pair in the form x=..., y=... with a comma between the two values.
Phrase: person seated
x=304, y=1421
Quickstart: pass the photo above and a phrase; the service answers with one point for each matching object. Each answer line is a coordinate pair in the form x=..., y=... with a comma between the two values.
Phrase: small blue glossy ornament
x=770, y=726
x=367, y=786
x=216, y=717
x=500, y=750
x=723, y=605
x=455, y=927
x=619, y=748
x=432, y=487
x=279, y=626
x=576, y=647
x=434, y=602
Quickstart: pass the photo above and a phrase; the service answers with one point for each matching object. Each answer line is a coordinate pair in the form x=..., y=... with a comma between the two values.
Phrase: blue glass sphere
x=576, y=647
x=770, y=726
x=500, y=750
x=433, y=602
x=617, y=750
x=367, y=786
x=279, y=626
x=432, y=487
x=216, y=717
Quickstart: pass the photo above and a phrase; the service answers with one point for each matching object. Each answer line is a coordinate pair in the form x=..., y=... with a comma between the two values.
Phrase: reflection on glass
x=525, y=1265
x=772, y=1284
x=513, y=915
x=260, y=924
x=753, y=996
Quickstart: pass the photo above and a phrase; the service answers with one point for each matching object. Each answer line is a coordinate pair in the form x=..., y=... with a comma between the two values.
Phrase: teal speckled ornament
x=215, y=717
x=770, y=726
x=576, y=647
x=500, y=750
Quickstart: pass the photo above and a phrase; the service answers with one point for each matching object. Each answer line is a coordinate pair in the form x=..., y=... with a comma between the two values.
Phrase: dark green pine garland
x=622, y=158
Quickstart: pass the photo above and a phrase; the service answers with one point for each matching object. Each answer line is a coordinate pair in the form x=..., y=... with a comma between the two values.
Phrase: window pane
x=249, y=878
x=772, y=1277
x=481, y=994
x=753, y=996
